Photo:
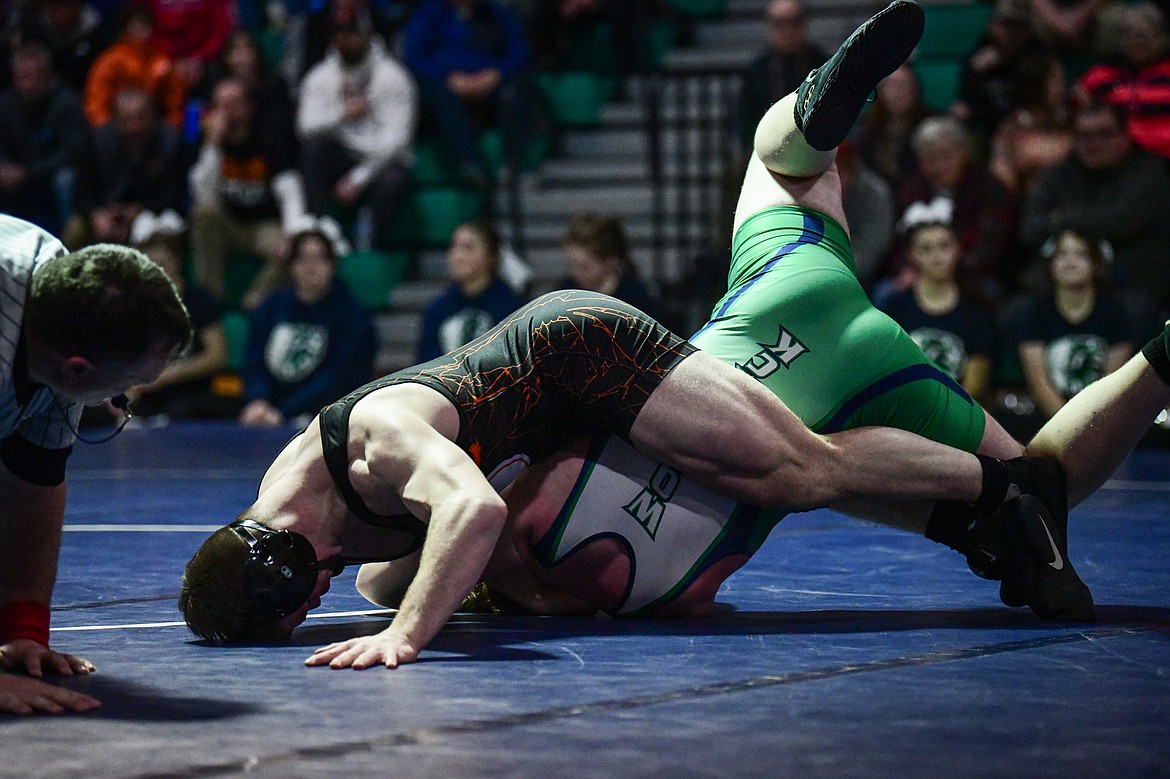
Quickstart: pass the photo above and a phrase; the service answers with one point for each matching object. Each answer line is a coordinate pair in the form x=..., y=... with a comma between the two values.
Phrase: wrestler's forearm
x=458, y=546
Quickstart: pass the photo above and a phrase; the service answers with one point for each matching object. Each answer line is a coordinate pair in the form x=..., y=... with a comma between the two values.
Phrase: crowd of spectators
x=1025, y=242
x=225, y=134
x=247, y=123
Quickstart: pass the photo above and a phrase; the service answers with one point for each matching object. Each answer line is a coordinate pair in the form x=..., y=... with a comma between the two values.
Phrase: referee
x=75, y=328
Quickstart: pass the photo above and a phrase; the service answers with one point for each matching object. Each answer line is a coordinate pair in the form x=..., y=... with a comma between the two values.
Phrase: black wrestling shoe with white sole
x=831, y=98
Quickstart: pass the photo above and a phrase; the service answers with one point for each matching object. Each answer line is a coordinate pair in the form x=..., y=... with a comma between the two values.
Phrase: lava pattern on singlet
x=568, y=363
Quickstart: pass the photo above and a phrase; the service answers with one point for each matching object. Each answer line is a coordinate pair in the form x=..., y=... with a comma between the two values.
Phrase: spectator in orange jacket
x=133, y=61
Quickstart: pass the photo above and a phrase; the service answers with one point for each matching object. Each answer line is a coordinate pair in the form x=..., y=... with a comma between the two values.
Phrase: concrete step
x=398, y=328
x=575, y=172
x=622, y=142
x=629, y=198
x=547, y=230
x=721, y=58
x=630, y=144
x=626, y=113
x=393, y=358
x=415, y=295
x=745, y=33
x=734, y=9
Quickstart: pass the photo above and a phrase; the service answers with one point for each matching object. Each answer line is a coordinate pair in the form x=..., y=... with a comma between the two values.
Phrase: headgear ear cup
x=280, y=570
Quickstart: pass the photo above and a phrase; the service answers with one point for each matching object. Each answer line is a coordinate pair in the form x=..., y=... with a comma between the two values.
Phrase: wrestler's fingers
x=32, y=665
x=59, y=698
x=24, y=696
x=323, y=655
x=58, y=663
x=42, y=703
x=80, y=665
x=366, y=659
x=346, y=658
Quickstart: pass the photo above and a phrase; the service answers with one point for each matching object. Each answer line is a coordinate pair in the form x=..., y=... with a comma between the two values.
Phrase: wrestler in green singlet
x=796, y=318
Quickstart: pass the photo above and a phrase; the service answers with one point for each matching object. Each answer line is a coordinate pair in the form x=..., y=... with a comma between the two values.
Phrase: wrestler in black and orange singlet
x=568, y=363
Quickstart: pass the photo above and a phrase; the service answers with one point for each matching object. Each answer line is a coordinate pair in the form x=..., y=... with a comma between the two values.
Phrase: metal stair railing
x=692, y=149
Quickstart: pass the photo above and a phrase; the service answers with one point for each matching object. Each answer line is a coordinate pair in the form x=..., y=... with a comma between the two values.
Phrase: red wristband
x=24, y=619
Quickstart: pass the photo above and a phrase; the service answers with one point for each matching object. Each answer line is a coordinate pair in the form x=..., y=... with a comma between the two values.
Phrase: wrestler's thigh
x=709, y=420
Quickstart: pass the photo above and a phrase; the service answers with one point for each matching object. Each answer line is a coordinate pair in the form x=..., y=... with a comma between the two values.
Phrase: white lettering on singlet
x=668, y=521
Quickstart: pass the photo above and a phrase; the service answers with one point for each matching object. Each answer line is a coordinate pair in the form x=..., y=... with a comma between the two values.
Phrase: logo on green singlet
x=773, y=357
x=649, y=505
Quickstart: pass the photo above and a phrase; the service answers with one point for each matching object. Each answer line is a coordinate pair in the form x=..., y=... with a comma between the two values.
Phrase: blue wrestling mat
x=842, y=650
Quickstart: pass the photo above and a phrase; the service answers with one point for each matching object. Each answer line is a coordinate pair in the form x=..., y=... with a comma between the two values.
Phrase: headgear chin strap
x=281, y=569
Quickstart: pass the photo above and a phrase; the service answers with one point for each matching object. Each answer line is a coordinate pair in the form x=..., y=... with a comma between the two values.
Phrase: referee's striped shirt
x=41, y=418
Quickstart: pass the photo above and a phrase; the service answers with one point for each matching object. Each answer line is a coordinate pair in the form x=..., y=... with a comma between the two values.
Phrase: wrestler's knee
x=383, y=584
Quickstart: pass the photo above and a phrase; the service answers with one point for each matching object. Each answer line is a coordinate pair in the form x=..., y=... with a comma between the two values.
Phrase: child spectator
x=1078, y=332
x=477, y=298
x=309, y=343
x=984, y=211
x=937, y=311
x=598, y=258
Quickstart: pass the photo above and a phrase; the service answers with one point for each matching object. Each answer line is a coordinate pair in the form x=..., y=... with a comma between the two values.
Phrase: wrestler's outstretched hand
x=22, y=695
x=389, y=648
x=24, y=655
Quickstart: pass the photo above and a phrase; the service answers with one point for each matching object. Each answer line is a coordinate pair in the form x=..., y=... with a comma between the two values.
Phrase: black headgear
x=281, y=569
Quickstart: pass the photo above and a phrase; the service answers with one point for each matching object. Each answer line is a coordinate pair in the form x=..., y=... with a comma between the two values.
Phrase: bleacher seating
x=372, y=275
x=952, y=30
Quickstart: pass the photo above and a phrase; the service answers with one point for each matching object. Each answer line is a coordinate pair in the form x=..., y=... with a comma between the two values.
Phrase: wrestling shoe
x=983, y=546
x=831, y=98
x=1036, y=569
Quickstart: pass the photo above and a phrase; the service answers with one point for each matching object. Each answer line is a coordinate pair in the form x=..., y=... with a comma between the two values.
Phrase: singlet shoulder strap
x=334, y=424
